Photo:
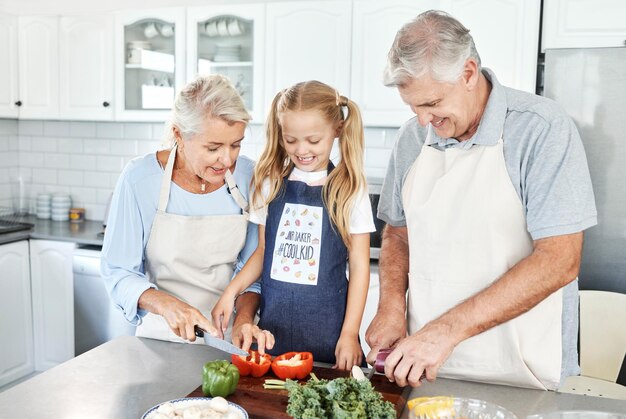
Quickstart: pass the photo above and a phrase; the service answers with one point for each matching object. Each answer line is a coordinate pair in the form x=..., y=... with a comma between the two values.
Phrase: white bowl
x=60, y=218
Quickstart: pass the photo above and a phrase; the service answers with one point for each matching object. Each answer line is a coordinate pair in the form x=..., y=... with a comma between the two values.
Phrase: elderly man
x=486, y=198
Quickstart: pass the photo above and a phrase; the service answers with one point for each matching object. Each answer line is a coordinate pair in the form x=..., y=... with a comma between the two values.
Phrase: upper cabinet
x=8, y=67
x=149, y=62
x=375, y=24
x=38, y=51
x=308, y=40
x=507, y=37
x=86, y=67
x=583, y=24
x=229, y=40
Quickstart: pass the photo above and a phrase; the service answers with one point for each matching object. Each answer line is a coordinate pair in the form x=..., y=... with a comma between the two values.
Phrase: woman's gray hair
x=207, y=96
x=433, y=43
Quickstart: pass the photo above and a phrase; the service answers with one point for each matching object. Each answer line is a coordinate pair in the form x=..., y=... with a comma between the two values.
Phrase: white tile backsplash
x=85, y=158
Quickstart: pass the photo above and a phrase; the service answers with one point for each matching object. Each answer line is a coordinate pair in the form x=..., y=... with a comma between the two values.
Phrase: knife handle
x=198, y=331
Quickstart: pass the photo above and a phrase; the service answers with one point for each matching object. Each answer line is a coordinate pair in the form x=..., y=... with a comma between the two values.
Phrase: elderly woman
x=178, y=226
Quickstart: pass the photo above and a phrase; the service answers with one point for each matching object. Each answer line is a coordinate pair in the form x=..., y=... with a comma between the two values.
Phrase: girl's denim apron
x=304, y=274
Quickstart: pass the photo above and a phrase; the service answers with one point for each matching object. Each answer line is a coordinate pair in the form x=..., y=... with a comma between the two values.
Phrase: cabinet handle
x=18, y=103
x=105, y=104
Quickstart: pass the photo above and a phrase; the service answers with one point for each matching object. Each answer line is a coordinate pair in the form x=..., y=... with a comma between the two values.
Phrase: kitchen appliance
x=96, y=319
x=591, y=85
x=376, y=236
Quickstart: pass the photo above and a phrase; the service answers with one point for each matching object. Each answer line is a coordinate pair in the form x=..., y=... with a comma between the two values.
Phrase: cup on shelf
x=222, y=27
x=234, y=27
x=166, y=30
x=150, y=30
x=211, y=28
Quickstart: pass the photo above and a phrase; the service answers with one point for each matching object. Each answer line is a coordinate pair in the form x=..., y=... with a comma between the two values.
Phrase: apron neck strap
x=234, y=191
x=166, y=182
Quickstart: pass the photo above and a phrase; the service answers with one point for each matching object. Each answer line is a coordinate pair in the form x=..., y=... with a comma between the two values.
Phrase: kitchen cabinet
x=38, y=52
x=149, y=62
x=229, y=40
x=308, y=40
x=583, y=24
x=8, y=67
x=506, y=34
x=17, y=357
x=86, y=67
x=53, y=301
x=375, y=25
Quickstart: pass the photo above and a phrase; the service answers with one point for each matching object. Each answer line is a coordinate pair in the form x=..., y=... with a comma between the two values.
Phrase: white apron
x=466, y=228
x=191, y=257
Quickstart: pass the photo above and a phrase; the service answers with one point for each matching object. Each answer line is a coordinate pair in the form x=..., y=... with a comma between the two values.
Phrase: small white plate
x=192, y=401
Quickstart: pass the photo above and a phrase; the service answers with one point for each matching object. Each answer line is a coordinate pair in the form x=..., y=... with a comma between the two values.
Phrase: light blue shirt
x=133, y=207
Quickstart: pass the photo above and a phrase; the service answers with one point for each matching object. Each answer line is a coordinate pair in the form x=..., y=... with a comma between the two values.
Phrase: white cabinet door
x=149, y=62
x=86, y=67
x=8, y=67
x=53, y=301
x=583, y=24
x=38, y=50
x=506, y=35
x=375, y=24
x=16, y=323
x=308, y=40
x=230, y=40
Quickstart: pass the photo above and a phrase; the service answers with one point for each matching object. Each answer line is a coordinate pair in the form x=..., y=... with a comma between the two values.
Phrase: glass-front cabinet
x=228, y=40
x=150, y=60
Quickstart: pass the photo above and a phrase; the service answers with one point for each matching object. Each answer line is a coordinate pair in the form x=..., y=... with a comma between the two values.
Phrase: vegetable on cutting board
x=338, y=398
x=255, y=364
x=219, y=378
x=293, y=365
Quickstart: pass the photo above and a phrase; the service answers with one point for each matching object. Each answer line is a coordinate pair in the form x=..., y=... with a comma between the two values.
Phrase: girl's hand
x=246, y=333
x=221, y=312
x=348, y=352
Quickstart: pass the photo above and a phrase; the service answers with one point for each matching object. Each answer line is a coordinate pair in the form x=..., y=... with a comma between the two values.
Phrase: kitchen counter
x=85, y=233
x=126, y=376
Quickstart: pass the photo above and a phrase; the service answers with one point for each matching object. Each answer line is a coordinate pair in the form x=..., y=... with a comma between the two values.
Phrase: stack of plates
x=227, y=53
x=61, y=204
x=43, y=205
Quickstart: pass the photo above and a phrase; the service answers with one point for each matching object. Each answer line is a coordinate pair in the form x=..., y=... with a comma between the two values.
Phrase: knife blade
x=217, y=343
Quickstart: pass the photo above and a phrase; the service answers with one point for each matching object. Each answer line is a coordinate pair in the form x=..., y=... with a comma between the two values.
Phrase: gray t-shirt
x=546, y=162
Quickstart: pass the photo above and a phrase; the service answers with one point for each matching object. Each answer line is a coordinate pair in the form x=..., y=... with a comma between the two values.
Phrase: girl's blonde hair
x=210, y=96
x=346, y=181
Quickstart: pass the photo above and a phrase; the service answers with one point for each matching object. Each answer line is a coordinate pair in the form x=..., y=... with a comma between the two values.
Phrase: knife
x=217, y=343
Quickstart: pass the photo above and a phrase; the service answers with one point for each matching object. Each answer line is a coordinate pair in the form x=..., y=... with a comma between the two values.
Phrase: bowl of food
x=578, y=414
x=196, y=407
x=456, y=408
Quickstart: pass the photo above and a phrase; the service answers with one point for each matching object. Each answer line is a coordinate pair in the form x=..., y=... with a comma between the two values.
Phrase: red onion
x=379, y=365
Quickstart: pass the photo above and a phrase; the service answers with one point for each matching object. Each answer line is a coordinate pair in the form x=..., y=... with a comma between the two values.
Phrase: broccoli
x=341, y=398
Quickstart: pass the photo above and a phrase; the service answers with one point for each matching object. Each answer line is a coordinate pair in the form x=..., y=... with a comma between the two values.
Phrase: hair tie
x=340, y=100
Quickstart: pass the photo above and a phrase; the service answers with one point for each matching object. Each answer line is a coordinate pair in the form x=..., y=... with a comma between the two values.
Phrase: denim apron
x=304, y=281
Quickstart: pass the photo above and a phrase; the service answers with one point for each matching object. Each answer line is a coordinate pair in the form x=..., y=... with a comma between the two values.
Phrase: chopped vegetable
x=341, y=398
x=357, y=373
x=255, y=364
x=293, y=365
x=219, y=378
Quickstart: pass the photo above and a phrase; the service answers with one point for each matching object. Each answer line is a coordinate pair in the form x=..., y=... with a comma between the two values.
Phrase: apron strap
x=234, y=191
x=166, y=182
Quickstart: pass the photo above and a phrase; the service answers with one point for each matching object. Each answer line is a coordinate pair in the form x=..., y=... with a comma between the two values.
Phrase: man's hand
x=386, y=329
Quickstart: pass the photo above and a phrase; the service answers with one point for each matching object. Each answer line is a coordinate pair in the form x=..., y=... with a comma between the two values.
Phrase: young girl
x=312, y=217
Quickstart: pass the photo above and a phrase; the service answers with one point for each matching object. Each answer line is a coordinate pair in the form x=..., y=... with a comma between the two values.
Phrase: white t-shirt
x=361, y=220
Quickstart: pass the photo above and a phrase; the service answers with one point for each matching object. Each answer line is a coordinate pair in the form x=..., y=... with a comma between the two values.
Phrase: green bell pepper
x=220, y=378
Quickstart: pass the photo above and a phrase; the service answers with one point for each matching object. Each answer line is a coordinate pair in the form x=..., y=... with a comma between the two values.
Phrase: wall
x=85, y=159
x=8, y=160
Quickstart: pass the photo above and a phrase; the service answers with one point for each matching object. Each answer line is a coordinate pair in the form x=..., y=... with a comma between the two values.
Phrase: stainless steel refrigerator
x=591, y=85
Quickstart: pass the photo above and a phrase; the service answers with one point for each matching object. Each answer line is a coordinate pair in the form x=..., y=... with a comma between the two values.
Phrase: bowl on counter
x=578, y=414
x=456, y=408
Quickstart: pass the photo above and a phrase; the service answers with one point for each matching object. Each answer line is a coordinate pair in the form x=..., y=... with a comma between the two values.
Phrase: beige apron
x=191, y=257
x=466, y=228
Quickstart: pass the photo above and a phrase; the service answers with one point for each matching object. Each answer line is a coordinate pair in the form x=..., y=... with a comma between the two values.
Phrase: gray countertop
x=126, y=376
x=85, y=233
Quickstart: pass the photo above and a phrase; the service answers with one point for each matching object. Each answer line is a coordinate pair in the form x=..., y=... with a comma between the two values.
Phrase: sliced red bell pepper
x=255, y=364
x=293, y=365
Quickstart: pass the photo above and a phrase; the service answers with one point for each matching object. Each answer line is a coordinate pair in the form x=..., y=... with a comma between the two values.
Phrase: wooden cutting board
x=261, y=403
